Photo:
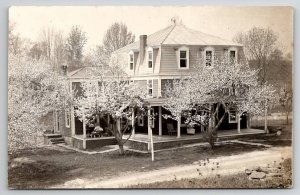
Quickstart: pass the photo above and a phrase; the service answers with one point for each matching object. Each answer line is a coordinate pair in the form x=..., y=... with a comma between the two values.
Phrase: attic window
x=150, y=59
x=183, y=61
x=131, y=61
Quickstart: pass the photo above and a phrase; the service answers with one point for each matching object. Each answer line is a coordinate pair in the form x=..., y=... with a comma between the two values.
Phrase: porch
x=142, y=141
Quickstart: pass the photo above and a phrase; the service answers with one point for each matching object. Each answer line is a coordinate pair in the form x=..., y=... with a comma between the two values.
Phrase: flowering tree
x=200, y=95
x=113, y=98
x=34, y=89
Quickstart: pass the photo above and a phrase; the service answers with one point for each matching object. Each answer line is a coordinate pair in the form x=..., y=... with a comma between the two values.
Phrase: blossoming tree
x=227, y=84
x=114, y=99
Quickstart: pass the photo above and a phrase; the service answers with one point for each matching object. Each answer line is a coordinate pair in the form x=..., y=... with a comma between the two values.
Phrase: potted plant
x=190, y=128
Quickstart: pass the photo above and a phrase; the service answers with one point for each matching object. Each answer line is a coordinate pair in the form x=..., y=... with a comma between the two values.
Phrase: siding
x=155, y=87
x=169, y=64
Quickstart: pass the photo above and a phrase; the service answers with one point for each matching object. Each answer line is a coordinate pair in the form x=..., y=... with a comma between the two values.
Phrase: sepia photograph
x=150, y=97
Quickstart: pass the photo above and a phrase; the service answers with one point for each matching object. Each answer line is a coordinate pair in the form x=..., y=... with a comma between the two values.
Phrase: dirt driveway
x=226, y=166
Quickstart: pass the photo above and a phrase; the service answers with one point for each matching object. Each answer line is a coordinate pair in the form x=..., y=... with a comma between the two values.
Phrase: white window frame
x=150, y=50
x=230, y=113
x=187, y=57
x=150, y=80
x=67, y=118
x=131, y=61
x=212, y=56
x=140, y=120
x=236, y=53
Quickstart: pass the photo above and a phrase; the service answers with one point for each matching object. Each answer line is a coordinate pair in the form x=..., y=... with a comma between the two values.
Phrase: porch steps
x=54, y=138
x=57, y=140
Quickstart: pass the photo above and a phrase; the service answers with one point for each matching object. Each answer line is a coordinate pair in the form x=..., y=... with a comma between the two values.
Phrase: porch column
x=159, y=121
x=248, y=121
x=72, y=121
x=178, y=126
x=238, y=123
x=83, y=125
x=149, y=127
x=266, y=118
x=133, y=123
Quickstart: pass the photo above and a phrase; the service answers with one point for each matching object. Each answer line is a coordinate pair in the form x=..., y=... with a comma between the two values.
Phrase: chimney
x=143, y=43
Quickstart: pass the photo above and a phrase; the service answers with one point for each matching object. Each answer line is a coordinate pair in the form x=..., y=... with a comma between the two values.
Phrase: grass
x=239, y=180
x=53, y=167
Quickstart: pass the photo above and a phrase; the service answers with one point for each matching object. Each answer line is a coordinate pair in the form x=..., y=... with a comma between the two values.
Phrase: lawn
x=239, y=180
x=52, y=165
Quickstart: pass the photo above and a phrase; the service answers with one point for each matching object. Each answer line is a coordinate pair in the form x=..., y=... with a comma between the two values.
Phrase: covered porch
x=142, y=141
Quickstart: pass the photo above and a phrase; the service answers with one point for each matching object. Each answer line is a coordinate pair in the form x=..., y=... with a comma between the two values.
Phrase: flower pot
x=191, y=130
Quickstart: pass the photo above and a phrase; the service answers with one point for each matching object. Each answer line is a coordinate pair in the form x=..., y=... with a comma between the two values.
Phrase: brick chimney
x=143, y=43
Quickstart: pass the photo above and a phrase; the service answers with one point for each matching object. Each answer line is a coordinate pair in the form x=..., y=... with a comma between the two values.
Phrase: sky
x=224, y=22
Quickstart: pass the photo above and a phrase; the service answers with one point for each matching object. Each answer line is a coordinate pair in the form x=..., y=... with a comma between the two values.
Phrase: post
x=238, y=123
x=84, y=127
x=159, y=121
x=72, y=120
x=178, y=126
x=149, y=127
x=248, y=121
x=266, y=118
x=151, y=143
x=133, y=123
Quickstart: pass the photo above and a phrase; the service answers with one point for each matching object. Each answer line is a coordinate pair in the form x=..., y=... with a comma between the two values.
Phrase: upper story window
x=131, y=60
x=150, y=59
x=150, y=87
x=209, y=56
x=183, y=61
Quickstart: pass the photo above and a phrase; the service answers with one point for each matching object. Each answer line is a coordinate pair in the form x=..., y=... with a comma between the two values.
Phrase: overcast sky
x=224, y=22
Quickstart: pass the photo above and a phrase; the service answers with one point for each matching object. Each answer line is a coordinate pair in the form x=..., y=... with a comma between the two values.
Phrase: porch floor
x=166, y=138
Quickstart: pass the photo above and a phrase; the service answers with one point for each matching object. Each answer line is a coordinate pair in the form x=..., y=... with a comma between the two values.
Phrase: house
x=152, y=62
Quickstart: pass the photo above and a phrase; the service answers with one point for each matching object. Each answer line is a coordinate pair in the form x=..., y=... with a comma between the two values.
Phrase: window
x=208, y=58
x=150, y=87
x=67, y=118
x=232, y=56
x=131, y=61
x=140, y=120
x=150, y=59
x=183, y=59
x=232, y=116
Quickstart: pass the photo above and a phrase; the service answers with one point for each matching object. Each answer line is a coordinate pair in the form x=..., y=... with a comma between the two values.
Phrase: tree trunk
x=287, y=118
x=212, y=133
x=121, y=148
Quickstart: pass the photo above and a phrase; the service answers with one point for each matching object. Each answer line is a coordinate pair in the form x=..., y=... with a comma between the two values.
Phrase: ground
x=57, y=167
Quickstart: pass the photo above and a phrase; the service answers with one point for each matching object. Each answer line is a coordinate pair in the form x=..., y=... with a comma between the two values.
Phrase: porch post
x=72, y=121
x=178, y=126
x=149, y=127
x=159, y=121
x=248, y=121
x=133, y=123
x=238, y=123
x=266, y=118
x=83, y=125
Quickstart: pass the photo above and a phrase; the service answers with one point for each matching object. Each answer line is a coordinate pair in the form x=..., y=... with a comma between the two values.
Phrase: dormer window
x=183, y=55
x=150, y=59
x=209, y=57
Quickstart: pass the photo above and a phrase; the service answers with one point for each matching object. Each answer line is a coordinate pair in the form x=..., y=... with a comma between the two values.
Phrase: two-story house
x=152, y=62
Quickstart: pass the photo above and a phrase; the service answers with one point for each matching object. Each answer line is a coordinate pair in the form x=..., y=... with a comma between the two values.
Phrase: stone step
x=57, y=140
x=50, y=136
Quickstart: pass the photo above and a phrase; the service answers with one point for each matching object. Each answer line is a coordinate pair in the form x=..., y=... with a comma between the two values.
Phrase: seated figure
x=98, y=131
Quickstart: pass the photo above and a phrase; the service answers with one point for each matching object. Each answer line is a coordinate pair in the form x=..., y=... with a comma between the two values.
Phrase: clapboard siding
x=169, y=58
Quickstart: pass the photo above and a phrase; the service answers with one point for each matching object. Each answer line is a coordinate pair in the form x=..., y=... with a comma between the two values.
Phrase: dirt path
x=228, y=165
